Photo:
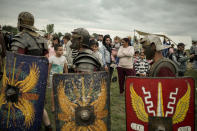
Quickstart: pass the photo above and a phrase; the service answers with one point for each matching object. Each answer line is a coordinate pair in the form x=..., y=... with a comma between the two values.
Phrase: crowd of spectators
x=128, y=60
x=120, y=53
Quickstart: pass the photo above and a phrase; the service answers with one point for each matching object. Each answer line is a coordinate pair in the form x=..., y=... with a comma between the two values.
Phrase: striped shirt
x=74, y=53
x=141, y=66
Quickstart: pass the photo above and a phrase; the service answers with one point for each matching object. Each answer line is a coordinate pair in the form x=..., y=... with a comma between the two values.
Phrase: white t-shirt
x=67, y=52
x=57, y=64
x=100, y=44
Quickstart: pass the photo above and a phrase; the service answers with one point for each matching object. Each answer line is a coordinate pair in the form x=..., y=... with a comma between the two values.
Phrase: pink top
x=171, y=50
x=51, y=51
x=126, y=57
x=114, y=54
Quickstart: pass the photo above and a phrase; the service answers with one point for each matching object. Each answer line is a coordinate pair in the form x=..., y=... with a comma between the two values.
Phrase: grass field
x=118, y=118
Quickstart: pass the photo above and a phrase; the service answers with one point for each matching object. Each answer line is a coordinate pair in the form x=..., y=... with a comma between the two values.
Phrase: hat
x=180, y=44
x=149, y=39
x=67, y=34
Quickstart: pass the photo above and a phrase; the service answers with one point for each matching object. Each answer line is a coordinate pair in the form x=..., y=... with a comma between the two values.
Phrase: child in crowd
x=95, y=48
x=117, y=42
x=136, y=56
x=55, y=41
x=116, y=45
x=141, y=65
x=57, y=64
x=114, y=58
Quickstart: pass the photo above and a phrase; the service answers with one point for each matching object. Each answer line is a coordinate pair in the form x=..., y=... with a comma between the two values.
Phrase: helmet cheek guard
x=80, y=38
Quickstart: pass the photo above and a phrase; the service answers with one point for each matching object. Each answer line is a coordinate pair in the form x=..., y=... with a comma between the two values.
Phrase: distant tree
x=55, y=35
x=59, y=34
x=68, y=34
x=43, y=31
x=95, y=35
x=10, y=29
x=50, y=28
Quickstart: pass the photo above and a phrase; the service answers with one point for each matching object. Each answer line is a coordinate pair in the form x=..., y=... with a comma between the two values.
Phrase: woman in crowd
x=125, y=65
x=106, y=54
x=51, y=50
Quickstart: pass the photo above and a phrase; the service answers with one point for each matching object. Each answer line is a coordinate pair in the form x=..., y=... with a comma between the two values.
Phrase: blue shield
x=22, y=92
x=82, y=101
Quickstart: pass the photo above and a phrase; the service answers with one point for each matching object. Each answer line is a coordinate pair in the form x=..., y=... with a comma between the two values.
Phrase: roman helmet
x=25, y=20
x=80, y=38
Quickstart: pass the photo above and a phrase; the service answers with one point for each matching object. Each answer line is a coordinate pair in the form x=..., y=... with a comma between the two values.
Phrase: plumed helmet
x=84, y=36
x=149, y=39
x=26, y=20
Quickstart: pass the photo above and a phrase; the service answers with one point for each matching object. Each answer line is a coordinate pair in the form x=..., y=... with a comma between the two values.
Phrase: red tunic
x=165, y=72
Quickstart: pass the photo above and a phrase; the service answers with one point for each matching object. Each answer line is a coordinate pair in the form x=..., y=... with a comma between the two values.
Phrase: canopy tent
x=160, y=35
x=187, y=40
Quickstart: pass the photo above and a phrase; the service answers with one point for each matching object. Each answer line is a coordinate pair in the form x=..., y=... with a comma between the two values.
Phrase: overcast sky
x=121, y=17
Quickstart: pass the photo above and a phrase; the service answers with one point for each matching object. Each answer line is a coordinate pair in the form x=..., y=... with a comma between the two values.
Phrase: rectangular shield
x=82, y=101
x=22, y=92
x=160, y=104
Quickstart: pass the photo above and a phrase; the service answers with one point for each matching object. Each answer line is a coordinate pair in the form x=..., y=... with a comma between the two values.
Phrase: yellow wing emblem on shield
x=26, y=86
x=68, y=107
x=182, y=107
x=65, y=104
x=138, y=105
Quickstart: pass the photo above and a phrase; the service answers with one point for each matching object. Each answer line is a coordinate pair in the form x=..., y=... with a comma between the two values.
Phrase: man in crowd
x=30, y=43
x=67, y=51
x=180, y=58
x=85, y=61
x=193, y=50
x=161, y=66
x=2, y=51
x=100, y=40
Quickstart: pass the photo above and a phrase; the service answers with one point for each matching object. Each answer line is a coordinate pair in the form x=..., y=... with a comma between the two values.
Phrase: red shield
x=160, y=103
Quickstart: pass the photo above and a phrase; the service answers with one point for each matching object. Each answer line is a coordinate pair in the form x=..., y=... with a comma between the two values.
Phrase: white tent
x=187, y=40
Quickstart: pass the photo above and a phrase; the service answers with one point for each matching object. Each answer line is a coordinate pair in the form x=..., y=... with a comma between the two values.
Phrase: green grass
x=117, y=104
